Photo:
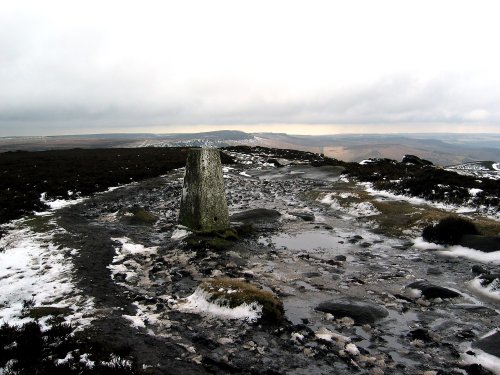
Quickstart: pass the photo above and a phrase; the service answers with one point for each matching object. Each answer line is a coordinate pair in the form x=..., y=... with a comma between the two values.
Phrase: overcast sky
x=309, y=67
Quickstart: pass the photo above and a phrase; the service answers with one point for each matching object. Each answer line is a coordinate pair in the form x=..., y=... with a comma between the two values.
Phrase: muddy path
x=112, y=300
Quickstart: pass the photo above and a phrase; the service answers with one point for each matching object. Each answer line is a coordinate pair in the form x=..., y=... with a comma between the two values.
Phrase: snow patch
x=34, y=272
x=123, y=263
x=180, y=233
x=488, y=361
x=135, y=321
x=59, y=203
x=355, y=209
x=465, y=252
x=458, y=251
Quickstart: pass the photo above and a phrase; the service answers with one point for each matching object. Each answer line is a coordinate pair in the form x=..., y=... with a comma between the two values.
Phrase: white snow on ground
x=198, y=303
x=496, y=166
x=474, y=192
x=180, y=233
x=32, y=268
x=355, y=209
x=413, y=200
x=491, y=291
x=123, y=262
x=459, y=251
x=488, y=361
x=59, y=203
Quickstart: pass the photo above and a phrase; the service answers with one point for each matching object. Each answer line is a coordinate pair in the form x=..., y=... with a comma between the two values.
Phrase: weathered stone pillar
x=204, y=203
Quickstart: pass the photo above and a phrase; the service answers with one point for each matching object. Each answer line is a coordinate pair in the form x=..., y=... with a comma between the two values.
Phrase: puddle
x=296, y=310
x=305, y=241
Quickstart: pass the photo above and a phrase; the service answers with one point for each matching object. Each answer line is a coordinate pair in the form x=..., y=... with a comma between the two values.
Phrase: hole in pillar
x=215, y=218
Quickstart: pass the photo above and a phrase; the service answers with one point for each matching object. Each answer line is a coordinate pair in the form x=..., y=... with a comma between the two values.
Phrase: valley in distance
x=443, y=149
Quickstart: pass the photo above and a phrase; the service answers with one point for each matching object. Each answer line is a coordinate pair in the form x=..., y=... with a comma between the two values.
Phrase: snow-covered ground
x=36, y=272
x=387, y=195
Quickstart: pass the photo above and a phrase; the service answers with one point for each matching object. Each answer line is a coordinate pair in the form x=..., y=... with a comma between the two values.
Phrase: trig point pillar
x=203, y=203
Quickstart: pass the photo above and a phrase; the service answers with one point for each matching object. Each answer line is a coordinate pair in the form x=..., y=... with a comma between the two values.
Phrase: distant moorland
x=442, y=149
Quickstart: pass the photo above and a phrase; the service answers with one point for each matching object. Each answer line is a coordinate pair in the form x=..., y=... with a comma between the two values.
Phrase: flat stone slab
x=361, y=311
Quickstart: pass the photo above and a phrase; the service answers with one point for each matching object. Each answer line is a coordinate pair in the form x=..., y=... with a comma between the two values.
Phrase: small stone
x=297, y=338
x=329, y=317
x=423, y=302
x=225, y=340
x=479, y=270
x=308, y=352
x=352, y=349
x=376, y=371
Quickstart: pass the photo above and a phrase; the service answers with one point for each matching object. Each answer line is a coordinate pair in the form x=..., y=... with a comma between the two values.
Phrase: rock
x=488, y=279
x=415, y=160
x=352, y=349
x=478, y=270
x=340, y=258
x=476, y=369
x=136, y=216
x=489, y=344
x=361, y=311
x=258, y=215
x=275, y=162
x=306, y=216
x=487, y=244
x=420, y=334
x=427, y=290
x=376, y=371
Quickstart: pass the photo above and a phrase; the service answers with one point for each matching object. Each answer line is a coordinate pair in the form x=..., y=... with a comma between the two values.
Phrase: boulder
x=361, y=311
x=427, y=290
x=489, y=344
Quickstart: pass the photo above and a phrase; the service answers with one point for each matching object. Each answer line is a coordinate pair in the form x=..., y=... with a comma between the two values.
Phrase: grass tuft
x=234, y=292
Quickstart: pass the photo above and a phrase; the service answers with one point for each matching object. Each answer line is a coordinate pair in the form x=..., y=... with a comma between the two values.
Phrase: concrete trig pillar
x=203, y=202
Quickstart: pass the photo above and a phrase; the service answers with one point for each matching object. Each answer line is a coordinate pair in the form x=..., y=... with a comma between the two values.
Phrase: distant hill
x=441, y=149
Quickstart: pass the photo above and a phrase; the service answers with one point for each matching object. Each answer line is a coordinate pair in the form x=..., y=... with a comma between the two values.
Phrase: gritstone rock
x=360, y=310
x=203, y=203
